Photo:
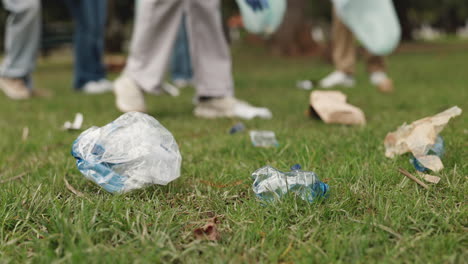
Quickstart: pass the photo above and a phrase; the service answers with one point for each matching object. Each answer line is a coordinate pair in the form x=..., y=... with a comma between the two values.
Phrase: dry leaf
x=208, y=231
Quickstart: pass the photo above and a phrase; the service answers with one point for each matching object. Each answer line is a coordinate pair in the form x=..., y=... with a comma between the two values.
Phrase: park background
x=373, y=213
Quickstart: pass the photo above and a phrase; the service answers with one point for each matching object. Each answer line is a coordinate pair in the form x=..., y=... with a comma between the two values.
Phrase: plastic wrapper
x=263, y=138
x=132, y=152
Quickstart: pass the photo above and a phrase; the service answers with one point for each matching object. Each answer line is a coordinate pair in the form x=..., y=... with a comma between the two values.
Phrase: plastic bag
x=133, y=151
x=373, y=22
x=264, y=21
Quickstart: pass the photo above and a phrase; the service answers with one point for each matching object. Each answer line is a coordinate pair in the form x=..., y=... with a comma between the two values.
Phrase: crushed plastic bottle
x=437, y=149
x=129, y=153
x=263, y=138
x=271, y=184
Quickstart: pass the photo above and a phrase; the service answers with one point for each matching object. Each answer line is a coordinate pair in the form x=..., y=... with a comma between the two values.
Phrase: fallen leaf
x=208, y=231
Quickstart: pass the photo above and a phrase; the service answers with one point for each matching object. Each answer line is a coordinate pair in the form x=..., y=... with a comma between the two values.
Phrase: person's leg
x=155, y=31
x=181, y=64
x=210, y=52
x=375, y=63
x=377, y=70
x=22, y=40
x=212, y=65
x=343, y=55
x=154, y=34
x=344, y=50
x=156, y=26
x=90, y=19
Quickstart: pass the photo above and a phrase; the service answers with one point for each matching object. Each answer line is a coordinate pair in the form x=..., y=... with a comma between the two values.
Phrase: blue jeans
x=90, y=21
x=181, y=65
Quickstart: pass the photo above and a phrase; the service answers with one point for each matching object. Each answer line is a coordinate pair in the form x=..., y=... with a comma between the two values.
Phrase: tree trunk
x=115, y=34
x=294, y=38
x=402, y=8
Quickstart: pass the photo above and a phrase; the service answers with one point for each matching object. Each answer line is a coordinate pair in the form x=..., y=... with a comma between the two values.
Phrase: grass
x=373, y=215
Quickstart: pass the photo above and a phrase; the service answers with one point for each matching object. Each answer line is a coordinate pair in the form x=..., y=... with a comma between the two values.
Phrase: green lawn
x=373, y=214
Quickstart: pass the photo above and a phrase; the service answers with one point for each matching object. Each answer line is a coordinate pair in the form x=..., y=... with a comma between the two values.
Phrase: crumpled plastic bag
x=264, y=21
x=419, y=138
x=129, y=153
x=373, y=22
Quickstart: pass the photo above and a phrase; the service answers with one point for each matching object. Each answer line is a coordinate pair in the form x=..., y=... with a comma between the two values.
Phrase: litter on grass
x=129, y=153
x=432, y=158
x=77, y=123
x=421, y=138
x=429, y=178
x=263, y=138
x=332, y=108
x=271, y=184
x=305, y=84
x=170, y=89
x=239, y=127
x=209, y=231
x=25, y=134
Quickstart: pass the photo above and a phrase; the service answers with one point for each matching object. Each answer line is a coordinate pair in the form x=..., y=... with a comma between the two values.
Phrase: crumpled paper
x=332, y=108
x=429, y=178
x=418, y=137
x=77, y=123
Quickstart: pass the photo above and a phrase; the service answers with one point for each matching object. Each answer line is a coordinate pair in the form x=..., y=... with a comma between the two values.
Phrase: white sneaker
x=382, y=81
x=181, y=83
x=97, y=87
x=106, y=84
x=14, y=88
x=170, y=89
x=128, y=96
x=230, y=107
x=337, y=78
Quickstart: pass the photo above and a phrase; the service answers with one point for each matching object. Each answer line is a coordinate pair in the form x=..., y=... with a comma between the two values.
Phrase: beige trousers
x=156, y=26
x=344, y=49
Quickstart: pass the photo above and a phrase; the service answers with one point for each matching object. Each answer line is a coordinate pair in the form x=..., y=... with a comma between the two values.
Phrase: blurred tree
x=447, y=15
x=120, y=19
x=294, y=37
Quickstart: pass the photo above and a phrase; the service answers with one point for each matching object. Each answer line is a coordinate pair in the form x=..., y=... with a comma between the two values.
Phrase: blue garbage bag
x=265, y=21
x=373, y=22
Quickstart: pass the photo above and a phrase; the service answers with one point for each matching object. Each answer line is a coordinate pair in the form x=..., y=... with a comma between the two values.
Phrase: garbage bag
x=264, y=21
x=373, y=22
x=129, y=153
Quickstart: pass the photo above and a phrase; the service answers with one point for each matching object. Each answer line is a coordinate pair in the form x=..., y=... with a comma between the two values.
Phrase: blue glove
x=257, y=5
